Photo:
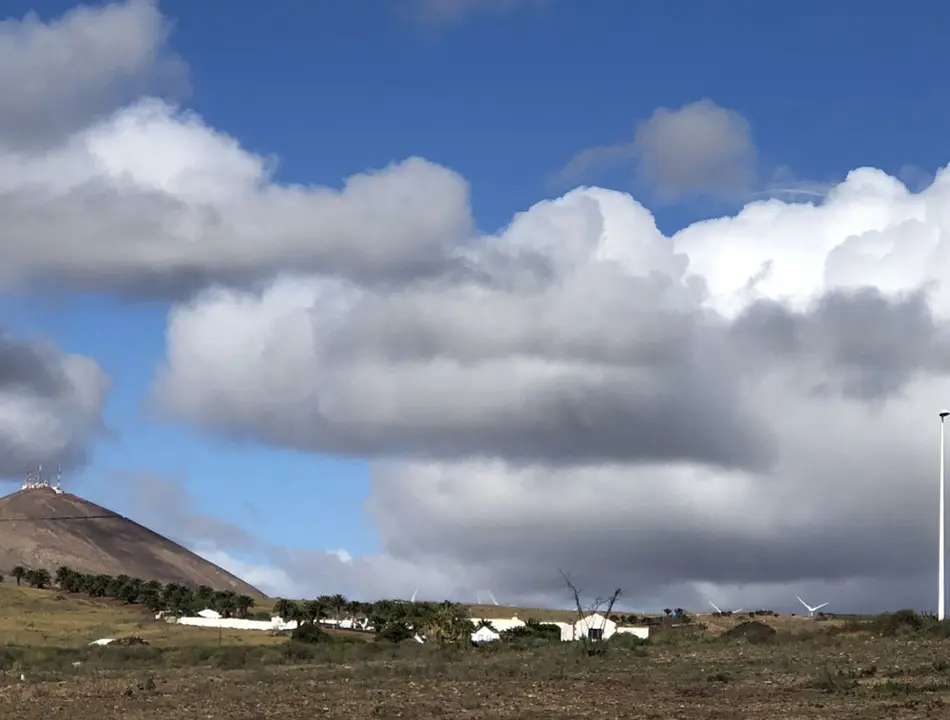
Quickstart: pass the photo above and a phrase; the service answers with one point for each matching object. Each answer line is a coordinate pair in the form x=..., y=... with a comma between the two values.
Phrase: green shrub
x=311, y=634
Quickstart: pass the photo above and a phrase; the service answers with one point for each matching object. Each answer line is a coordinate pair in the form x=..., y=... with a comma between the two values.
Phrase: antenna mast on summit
x=35, y=480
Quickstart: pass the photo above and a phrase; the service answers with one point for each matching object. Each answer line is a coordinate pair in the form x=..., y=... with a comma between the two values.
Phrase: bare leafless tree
x=602, y=606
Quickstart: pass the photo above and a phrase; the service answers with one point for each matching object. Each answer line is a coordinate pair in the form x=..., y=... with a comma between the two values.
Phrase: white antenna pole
x=941, y=580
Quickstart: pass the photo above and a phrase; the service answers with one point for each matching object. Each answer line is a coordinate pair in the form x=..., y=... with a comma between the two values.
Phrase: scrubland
x=885, y=667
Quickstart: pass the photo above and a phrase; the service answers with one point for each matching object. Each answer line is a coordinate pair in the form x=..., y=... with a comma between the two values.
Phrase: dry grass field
x=47, y=618
x=824, y=671
x=506, y=611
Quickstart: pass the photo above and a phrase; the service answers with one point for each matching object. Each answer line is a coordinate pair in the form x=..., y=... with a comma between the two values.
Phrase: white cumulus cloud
x=152, y=200
x=105, y=188
x=58, y=75
x=699, y=149
x=745, y=407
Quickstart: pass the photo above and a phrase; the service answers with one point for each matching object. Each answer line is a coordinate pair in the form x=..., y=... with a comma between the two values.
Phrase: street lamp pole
x=941, y=581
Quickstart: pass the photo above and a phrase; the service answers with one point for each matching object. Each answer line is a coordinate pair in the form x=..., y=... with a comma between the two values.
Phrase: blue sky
x=506, y=99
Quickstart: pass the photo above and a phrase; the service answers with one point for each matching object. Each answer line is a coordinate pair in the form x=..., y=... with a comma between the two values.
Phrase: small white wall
x=567, y=630
x=274, y=624
x=641, y=632
x=501, y=624
x=347, y=623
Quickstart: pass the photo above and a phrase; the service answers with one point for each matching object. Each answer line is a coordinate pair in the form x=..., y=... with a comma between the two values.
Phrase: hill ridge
x=43, y=528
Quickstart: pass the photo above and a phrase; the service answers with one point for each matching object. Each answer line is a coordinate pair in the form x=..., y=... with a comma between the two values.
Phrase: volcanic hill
x=43, y=528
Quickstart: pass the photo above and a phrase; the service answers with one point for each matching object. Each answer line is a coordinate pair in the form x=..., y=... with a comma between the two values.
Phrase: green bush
x=311, y=634
x=395, y=633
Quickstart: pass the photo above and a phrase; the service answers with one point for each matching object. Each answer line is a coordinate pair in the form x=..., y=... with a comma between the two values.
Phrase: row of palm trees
x=173, y=598
x=324, y=607
x=395, y=620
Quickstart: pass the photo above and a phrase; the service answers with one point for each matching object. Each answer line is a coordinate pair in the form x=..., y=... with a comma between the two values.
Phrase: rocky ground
x=824, y=676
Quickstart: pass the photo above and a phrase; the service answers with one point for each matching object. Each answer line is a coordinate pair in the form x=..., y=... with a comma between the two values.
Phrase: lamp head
x=943, y=414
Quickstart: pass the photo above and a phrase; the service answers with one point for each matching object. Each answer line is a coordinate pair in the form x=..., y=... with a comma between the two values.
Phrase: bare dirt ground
x=823, y=677
x=807, y=670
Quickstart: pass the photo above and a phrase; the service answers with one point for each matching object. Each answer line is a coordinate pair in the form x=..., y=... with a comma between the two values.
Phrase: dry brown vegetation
x=507, y=611
x=806, y=670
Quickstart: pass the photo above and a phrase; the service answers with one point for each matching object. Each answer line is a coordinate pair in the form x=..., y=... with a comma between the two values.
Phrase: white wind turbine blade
x=807, y=606
x=737, y=610
x=819, y=607
x=715, y=607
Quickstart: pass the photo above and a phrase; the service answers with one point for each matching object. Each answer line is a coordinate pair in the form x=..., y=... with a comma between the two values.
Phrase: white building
x=597, y=627
x=501, y=624
x=485, y=634
x=347, y=623
x=497, y=627
x=567, y=630
x=275, y=624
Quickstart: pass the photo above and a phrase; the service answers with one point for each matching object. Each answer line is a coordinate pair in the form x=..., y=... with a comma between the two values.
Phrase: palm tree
x=151, y=598
x=19, y=572
x=314, y=610
x=285, y=609
x=337, y=605
x=226, y=604
x=131, y=591
x=244, y=605
x=97, y=585
x=205, y=594
x=40, y=579
x=64, y=578
x=179, y=599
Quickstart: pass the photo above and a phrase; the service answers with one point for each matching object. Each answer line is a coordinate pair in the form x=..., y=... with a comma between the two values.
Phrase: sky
x=452, y=295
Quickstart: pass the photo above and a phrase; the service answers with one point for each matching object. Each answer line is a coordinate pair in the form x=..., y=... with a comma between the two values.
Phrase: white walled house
x=597, y=627
x=498, y=626
x=594, y=627
x=501, y=624
x=485, y=634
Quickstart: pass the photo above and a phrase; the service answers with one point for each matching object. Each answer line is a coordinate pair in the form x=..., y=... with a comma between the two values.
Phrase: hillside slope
x=40, y=528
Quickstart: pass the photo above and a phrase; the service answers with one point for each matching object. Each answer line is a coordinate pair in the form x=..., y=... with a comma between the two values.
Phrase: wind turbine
x=811, y=610
x=491, y=595
x=716, y=608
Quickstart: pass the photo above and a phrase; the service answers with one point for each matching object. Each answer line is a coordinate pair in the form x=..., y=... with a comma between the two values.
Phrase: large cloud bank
x=745, y=409
x=742, y=411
